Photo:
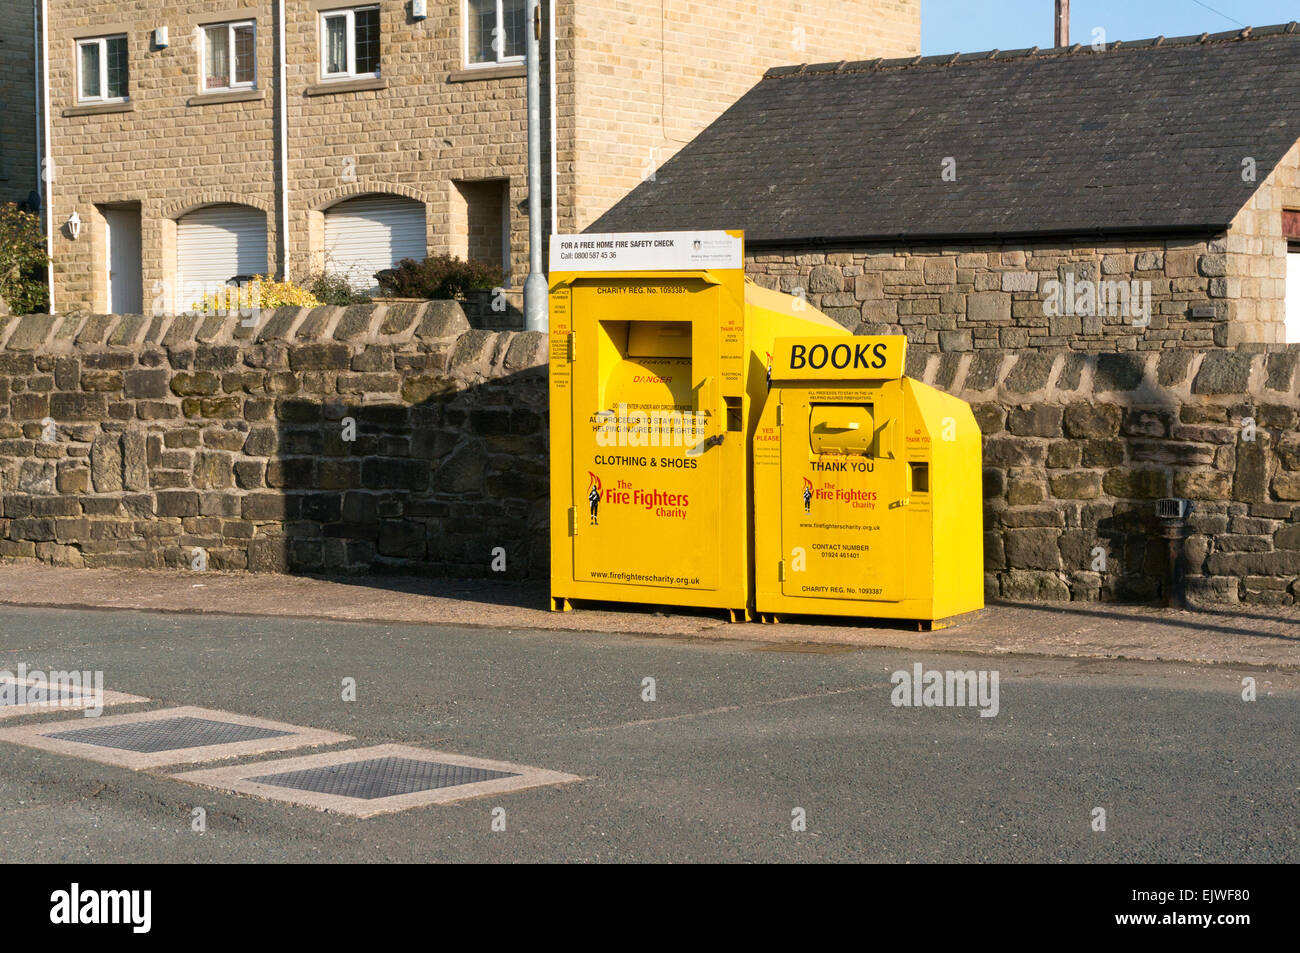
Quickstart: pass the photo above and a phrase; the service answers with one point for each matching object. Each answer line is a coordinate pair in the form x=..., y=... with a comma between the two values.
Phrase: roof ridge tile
x=943, y=60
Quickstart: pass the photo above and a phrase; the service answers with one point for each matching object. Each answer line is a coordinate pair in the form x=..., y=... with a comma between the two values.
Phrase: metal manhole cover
x=167, y=734
x=380, y=777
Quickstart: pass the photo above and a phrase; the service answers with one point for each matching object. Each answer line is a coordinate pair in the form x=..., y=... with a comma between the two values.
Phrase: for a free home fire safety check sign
x=646, y=251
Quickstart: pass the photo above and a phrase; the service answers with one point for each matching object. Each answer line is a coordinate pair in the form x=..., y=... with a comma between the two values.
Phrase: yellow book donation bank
x=718, y=444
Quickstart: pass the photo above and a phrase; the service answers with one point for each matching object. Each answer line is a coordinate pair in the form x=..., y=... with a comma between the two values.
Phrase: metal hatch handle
x=707, y=399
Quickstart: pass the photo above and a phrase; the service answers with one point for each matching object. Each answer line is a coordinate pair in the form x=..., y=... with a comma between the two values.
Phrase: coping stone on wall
x=130, y=328
x=1281, y=370
x=527, y=349
x=475, y=354
x=69, y=324
x=1135, y=382
x=280, y=325
x=1031, y=372
x=1224, y=372
x=356, y=320
x=442, y=321
x=30, y=332
x=401, y=319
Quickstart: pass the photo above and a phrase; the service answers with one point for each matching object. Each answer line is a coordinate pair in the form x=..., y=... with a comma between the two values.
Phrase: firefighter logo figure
x=593, y=496
x=807, y=495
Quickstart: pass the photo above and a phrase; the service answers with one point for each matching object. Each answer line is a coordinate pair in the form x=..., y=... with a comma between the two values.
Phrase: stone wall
x=975, y=297
x=1078, y=447
x=135, y=441
x=129, y=441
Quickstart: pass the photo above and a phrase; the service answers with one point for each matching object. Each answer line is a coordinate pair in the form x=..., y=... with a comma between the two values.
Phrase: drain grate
x=25, y=696
x=182, y=735
x=381, y=777
x=168, y=734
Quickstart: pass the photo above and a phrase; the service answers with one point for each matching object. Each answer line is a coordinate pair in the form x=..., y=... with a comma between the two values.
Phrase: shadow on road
x=1169, y=618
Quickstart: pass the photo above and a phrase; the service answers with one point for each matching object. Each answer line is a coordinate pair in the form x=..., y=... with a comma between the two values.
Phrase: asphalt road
x=737, y=738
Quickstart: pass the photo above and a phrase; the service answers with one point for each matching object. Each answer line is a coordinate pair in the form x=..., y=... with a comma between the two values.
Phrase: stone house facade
x=403, y=135
x=918, y=195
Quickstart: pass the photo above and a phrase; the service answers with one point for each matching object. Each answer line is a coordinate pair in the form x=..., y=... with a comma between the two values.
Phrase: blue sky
x=968, y=26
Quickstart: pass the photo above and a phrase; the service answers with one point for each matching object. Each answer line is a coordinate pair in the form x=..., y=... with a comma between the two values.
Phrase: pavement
x=1264, y=637
x=742, y=736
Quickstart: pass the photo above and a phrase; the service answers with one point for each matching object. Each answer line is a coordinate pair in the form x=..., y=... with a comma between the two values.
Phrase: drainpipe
x=536, y=306
x=47, y=165
x=36, y=92
x=553, y=109
x=283, y=97
x=1172, y=513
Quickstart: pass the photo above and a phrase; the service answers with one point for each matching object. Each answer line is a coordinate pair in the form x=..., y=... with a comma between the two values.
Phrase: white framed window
x=228, y=56
x=494, y=31
x=102, y=70
x=349, y=43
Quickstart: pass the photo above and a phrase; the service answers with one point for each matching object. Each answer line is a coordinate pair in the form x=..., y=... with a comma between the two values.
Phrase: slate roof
x=1143, y=136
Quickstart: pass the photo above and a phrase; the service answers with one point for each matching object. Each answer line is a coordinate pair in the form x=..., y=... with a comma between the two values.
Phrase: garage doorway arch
x=369, y=233
x=217, y=245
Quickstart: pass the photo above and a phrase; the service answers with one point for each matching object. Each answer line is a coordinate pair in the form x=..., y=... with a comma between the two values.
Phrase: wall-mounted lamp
x=160, y=37
x=74, y=225
x=419, y=9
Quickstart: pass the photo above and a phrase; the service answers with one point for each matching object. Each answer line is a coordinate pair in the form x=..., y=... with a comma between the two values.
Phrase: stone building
x=403, y=135
x=1132, y=196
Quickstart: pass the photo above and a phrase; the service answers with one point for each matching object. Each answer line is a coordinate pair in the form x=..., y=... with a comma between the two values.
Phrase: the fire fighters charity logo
x=807, y=495
x=593, y=496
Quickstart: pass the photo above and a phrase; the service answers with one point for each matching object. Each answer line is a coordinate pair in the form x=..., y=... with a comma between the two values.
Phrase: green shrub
x=22, y=261
x=439, y=277
x=334, y=289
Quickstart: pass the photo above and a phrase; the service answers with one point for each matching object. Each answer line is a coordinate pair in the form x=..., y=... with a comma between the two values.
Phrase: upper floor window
x=229, y=56
x=494, y=31
x=101, y=69
x=349, y=43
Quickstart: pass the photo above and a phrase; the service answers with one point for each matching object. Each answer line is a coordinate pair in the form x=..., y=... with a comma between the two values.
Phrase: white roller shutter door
x=365, y=235
x=216, y=243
